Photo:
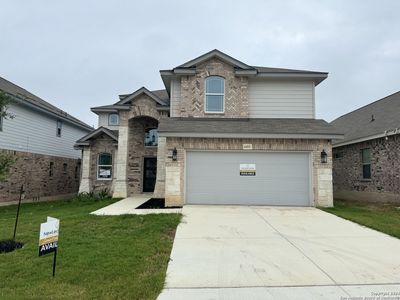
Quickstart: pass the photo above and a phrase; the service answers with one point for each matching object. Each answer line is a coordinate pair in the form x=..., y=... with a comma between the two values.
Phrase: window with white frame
x=113, y=119
x=104, y=166
x=215, y=94
x=59, y=128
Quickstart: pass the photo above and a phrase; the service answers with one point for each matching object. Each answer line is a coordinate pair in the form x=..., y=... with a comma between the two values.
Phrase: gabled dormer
x=152, y=103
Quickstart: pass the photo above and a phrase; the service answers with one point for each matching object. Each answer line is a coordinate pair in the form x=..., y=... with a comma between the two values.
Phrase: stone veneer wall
x=33, y=171
x=102, y=144
x=131, y=151
x=174, y=170
x=384, y=184
x=137, y=152
x=193, y=88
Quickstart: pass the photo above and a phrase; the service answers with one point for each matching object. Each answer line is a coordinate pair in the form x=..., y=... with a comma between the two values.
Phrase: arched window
x=104, y=166
x=215, y=92
x=151, y=137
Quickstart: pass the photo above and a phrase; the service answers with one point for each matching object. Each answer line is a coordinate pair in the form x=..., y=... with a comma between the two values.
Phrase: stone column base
x=120, y=189
x=84, y=187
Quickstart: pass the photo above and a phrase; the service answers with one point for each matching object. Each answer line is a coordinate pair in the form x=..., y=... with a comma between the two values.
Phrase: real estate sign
x=247, y=170
x=48, y=238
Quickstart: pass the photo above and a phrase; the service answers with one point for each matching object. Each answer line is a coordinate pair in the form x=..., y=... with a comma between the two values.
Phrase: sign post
x=48, y=239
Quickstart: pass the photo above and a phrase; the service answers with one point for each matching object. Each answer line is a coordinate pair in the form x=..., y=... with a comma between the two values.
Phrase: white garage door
x=279, y=178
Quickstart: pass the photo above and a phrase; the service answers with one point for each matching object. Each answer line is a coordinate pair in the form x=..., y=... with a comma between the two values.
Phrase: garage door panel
x=281, y=178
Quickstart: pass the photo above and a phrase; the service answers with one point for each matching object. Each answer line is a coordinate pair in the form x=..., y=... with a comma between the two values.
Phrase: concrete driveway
x=236, y=252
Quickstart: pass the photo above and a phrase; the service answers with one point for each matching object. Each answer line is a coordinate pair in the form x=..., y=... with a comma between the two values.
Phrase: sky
x=79, y=54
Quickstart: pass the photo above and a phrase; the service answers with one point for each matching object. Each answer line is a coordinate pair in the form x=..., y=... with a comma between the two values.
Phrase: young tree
x=6, y=161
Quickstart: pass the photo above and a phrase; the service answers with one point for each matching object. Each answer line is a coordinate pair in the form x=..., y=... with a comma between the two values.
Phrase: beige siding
x=281, y=99
x=175, y=97
x=103, y=121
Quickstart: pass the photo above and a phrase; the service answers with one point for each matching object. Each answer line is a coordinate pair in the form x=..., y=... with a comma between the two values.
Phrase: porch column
x=121, y=185
x=84, y=186
x=159, y=190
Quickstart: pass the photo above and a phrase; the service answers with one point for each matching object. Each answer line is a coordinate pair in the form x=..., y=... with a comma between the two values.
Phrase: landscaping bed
x=379, y=216
x=99, y=257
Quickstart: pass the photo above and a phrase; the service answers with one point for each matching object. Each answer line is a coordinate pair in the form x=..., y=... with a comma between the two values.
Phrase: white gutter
x=250, y=135
x=46, y=111
x=368, y=138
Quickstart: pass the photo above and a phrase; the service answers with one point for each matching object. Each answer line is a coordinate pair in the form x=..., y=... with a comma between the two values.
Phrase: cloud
x=80, y=54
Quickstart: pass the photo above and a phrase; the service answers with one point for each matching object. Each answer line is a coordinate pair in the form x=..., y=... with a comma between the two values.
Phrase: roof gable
x=85, y=140
x=218, y=54
x=139, y=92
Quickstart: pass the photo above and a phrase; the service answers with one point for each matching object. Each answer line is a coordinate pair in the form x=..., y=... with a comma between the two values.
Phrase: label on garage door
x=247, y=170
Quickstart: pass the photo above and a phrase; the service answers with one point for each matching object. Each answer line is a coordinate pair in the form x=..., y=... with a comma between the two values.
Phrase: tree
x=6, y=161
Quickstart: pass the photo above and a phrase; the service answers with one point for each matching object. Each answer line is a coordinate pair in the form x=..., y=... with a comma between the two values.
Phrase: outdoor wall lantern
x=324, y=157
x=174, y=154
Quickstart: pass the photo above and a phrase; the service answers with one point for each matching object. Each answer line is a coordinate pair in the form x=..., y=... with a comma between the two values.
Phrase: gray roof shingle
x=372, y=119
x=19, y=92
x=211, y=126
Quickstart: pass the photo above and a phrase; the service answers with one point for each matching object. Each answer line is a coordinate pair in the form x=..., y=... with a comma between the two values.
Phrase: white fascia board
x=367, y=138
x=250, y=135
x=48, y=112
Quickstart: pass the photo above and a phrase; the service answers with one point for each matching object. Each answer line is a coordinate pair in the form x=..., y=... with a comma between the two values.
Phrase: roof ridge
x=362, y=107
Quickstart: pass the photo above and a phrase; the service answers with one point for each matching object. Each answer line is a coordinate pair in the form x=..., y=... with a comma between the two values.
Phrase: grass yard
x=382, y=217
x=98, y=257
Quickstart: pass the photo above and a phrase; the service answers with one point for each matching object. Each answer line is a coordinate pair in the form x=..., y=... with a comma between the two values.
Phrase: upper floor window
x=59, y=127
x=215, y=87
x=104, y=166
x=151, y=137
x=366, y=163
x=113, y=119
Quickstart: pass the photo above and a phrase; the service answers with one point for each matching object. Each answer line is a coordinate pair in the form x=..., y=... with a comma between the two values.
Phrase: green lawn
x=382, y=217
x=99, y=257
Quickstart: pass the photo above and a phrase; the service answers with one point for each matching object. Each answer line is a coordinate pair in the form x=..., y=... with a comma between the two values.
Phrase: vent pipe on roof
x=372, y=118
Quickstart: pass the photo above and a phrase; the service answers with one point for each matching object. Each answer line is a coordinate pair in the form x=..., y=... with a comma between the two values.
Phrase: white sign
x=48, y=237
x=247, y=170
x=247, y=146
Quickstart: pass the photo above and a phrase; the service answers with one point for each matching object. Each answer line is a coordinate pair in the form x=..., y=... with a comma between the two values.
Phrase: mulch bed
x=9, y=245
x=155, y=203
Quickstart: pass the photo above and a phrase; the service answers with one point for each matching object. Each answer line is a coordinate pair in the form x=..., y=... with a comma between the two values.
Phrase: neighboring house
x=366, y=163
x=222, y=132
x=41, y=138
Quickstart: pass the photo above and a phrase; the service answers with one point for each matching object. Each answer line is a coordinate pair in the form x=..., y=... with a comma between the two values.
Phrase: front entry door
x=149, y=174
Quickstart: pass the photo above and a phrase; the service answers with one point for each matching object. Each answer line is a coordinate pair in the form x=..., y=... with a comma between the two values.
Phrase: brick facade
x=43, y=176
x=384, y=184
x=102, y=144
x=192, y=91
x=137, y=152
x=174, y=170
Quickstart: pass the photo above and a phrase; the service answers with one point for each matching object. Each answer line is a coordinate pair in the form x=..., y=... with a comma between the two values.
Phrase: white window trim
x=214, y=94
x=61, y=126
x=98, y=167
x=109, y=118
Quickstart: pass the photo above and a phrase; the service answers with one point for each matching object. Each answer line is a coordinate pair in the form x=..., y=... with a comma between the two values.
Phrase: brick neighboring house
x=41, y=138
x=222, y=132
x=366, y=163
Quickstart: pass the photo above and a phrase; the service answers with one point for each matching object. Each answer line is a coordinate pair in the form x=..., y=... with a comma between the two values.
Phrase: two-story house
x=222, y=132
x=41, y=140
